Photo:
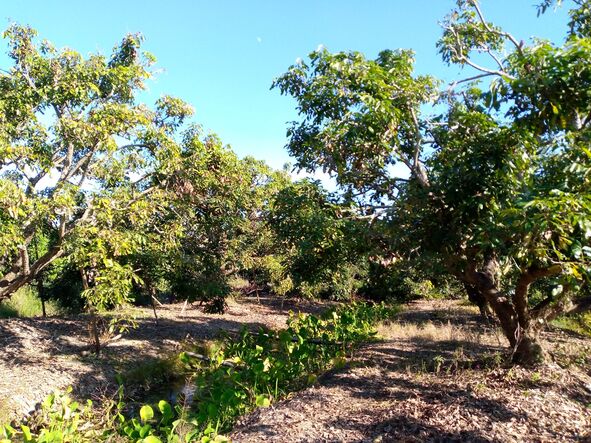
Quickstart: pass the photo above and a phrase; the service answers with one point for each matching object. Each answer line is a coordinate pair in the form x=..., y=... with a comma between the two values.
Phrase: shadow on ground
x=43, y=354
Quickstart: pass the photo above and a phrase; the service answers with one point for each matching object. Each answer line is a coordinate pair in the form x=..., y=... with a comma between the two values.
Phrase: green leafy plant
x=241, y=373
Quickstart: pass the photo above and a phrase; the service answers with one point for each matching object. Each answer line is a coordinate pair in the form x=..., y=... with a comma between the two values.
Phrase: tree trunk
x=479, y=300
x=152, y=293
x=94, y=333
x=20, y=274
x=93, y=321
x=514, y=315
x=528, y=351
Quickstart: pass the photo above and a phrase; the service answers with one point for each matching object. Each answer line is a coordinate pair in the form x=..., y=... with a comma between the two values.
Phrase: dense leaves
x=496, y=192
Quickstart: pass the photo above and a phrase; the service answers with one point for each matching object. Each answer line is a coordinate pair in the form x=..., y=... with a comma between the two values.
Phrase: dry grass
x=441, y=337
x=442, y=322
x=439, y=332
x=437, y=375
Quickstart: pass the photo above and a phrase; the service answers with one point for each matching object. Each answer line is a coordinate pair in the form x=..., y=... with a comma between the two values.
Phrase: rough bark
x=519, y=323
x=499, y=302
x=479, y=300
x=21, y=275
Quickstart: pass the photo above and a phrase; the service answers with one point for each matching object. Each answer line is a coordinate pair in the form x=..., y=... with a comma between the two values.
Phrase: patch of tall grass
x=26, y=303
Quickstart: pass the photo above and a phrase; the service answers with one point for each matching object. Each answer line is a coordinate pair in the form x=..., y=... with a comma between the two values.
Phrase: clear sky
x=221, y=56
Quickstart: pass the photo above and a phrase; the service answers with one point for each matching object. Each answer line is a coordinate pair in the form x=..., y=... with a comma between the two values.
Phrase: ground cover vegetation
x=238, y=374
x=106, y=201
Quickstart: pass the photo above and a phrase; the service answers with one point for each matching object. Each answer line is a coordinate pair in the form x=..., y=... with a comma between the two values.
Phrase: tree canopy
x=497, y=190
x=137, y=198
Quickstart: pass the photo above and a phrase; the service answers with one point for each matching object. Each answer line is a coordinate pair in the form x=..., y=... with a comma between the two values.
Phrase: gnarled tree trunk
x=519, y=323
x=22, y=272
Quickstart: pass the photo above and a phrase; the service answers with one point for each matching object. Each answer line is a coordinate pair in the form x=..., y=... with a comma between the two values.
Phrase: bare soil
x=437, y=376
x=40, y=355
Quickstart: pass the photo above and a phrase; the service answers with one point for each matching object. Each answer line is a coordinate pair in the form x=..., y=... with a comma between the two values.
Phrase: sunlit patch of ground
x=437, y=375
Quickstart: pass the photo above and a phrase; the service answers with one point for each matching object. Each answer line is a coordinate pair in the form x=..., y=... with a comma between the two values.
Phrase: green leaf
x=26, y=433
x=152, y=439
x=165, y=409
x=262, y=401
x=146, y=413
x=145, y=430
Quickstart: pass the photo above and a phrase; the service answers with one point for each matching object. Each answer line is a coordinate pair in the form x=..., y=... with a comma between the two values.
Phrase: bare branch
x=493, y=31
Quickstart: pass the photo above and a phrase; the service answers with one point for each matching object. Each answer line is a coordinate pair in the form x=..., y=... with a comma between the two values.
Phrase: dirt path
x=435, y=376
x=40, y=355
x=427, y=381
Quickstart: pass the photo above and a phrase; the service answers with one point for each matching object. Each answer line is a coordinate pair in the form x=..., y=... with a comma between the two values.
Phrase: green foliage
x=269, y=270
x=129, y=197
x=252, y=370
x=257, y=369
x=26, y=303
x=323, y=247
x=498, y=188
x=60, y=419
x=63, y=284
x=214, y=222
x=77, y=119
x=358, y=115
x=398, y=282
x=579, y=324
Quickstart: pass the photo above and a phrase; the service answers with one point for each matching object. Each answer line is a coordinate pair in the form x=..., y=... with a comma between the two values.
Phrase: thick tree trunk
x=520, y=324
x=23, y=273
x=485, y=283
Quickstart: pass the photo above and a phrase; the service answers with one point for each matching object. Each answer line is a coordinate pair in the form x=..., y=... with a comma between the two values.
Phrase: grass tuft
x=579, y=324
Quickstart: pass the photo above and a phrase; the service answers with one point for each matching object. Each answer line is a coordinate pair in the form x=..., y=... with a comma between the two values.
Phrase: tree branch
x=494, y=31
x=520, y=298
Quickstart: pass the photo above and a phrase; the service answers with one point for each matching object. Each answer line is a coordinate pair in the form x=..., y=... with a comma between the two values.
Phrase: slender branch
x=495, y=58
x=453, y=84
x=485, y=70
x=493, y=31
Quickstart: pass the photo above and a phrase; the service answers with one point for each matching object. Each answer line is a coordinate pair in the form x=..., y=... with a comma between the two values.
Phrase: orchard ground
x=435, y=373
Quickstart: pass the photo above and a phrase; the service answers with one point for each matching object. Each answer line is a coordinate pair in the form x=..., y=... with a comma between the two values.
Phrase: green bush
x=400, y=282
x=63, y=283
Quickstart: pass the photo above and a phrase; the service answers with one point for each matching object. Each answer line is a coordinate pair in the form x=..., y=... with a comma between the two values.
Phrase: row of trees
x=104, y=199
x=135, y=199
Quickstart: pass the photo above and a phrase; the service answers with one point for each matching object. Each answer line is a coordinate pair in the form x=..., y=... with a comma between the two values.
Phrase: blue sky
x=221, y=56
